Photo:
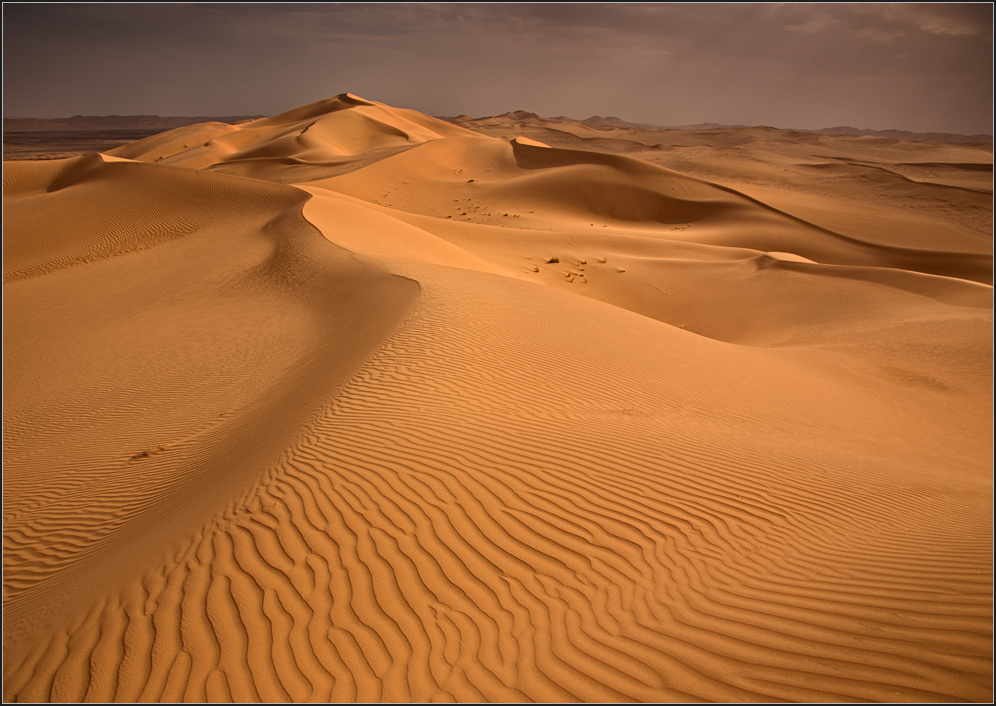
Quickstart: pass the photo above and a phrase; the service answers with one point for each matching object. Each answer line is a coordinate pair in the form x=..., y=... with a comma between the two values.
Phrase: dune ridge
x=355, y=404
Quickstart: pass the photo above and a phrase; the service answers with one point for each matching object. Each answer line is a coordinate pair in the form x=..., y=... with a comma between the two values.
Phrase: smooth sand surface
x=352, y=403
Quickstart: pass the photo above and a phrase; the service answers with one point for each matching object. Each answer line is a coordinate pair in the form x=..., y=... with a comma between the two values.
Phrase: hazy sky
x=920, y=67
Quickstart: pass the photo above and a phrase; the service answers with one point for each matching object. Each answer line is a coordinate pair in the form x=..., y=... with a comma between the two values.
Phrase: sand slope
x=459, y=417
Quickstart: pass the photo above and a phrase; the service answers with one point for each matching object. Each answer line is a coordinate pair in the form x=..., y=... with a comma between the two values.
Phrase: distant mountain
x=615, y=122
x=904, y=135
x=511, y=116
x=79, y=123
x=597, y=120
x=518, y=116
x=704, y=126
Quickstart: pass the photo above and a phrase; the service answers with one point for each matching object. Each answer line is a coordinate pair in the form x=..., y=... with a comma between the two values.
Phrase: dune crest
x=356, y=404
x=520, y=140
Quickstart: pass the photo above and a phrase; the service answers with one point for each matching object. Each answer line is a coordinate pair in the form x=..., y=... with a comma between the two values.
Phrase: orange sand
x=352, y=403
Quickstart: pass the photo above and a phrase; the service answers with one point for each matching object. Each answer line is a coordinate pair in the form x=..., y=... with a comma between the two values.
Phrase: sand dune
x=352, y=403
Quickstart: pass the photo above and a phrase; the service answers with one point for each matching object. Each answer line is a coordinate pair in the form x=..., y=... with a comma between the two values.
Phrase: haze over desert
x=353, y=403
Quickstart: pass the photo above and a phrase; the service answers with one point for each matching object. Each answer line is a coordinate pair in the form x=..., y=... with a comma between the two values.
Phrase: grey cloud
x=806, y=64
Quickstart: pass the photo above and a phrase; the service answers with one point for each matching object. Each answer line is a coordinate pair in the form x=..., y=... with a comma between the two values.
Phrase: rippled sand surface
x=352, y=403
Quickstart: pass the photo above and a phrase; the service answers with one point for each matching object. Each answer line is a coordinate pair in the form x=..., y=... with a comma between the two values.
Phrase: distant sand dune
x=446, y=416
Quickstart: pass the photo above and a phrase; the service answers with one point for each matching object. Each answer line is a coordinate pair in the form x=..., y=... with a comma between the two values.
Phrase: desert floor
x=352, y=403
x=61, y=145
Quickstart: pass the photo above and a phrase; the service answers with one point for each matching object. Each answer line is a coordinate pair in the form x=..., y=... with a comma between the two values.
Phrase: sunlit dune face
x=352, y=403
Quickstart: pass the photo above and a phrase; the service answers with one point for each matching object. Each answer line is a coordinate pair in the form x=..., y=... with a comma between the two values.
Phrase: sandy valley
x=353, y=403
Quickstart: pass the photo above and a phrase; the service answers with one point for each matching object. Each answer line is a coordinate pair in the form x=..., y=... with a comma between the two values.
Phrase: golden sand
x=352, y=403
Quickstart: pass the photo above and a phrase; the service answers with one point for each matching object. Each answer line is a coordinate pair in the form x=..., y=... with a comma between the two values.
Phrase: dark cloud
x=911, y=66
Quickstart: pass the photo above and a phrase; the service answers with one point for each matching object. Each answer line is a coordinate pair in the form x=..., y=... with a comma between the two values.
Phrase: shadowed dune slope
x=521, y=185
x=446, y=416
x=158, y=357
x=845, y=183
x=731, y=294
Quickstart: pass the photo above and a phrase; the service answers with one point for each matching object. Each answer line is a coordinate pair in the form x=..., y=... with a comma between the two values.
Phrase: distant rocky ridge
x=905, y=135
x=113, y=122
x=80, y=123
x=523, y=115
x=597, y=120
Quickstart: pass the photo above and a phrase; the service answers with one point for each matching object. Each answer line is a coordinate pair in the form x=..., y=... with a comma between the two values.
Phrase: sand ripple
x=265, y=443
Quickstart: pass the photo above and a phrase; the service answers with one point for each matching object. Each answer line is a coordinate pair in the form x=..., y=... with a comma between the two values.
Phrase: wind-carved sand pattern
x=456, y=417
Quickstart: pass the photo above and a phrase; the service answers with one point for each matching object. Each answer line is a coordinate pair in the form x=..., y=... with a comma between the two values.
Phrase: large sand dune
x=352, y=403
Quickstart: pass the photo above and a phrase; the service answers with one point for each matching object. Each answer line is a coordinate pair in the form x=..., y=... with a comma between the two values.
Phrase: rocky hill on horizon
x=155, y=122
x=114, y=122
x=614, y=122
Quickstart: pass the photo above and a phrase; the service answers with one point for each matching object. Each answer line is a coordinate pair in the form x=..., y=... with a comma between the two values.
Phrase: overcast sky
x=920, y=67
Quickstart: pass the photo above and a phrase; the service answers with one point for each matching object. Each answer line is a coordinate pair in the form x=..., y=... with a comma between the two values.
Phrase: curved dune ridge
x=355, y=404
